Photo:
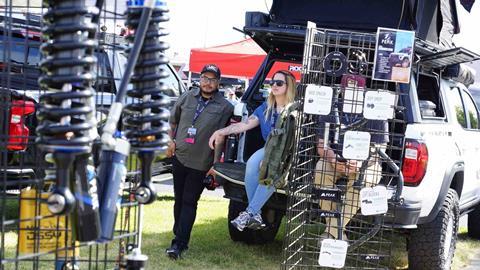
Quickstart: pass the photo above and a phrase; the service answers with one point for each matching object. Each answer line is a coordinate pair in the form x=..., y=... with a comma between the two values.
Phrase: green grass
x=210, y=244
x=211, y=247
x=466, y=250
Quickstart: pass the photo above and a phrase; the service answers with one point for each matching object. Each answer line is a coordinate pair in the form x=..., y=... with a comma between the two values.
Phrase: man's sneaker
x=241, y=221
x=256, y=222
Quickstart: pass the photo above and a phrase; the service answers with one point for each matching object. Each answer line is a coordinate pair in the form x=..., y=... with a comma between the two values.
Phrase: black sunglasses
x=278, y=83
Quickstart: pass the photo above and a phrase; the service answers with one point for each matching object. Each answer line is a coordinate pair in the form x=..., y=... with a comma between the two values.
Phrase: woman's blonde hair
x=290, y=93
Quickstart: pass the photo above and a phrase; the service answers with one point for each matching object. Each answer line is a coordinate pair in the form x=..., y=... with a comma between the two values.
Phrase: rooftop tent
x=237, y=60
x=426, y=17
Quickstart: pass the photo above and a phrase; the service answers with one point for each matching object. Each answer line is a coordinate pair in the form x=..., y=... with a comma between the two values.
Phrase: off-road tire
x=427, y=243
x=271, y=217
x=473, y=223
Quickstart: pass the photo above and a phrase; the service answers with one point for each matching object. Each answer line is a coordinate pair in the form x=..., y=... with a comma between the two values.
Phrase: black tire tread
x=425, y=243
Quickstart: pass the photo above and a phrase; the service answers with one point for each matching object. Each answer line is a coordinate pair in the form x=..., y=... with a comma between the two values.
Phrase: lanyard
x=201, y=105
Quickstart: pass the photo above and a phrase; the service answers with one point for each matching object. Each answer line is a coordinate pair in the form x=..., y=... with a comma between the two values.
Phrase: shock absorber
x=146, y=121
x=67, y=124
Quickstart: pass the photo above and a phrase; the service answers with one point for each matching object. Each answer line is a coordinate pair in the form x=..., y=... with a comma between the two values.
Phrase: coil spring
x=66, y=110
x=146, y=120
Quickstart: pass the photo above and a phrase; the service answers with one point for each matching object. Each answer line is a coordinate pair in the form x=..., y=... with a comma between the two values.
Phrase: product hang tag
x=374, y=201
x=318, y=99
x=356, y=145
x=191, y=132
x=379, y=105
x=353, y=87
x=333, y=253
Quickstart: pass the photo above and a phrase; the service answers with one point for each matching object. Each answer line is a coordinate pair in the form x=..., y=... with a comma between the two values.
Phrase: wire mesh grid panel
x=345, y=182
x=62, y=67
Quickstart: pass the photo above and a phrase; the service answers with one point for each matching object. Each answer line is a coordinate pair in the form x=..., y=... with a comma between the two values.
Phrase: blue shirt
x=265, y=123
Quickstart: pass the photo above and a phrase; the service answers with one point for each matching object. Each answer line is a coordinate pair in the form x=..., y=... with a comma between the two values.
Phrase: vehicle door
x=471, y=186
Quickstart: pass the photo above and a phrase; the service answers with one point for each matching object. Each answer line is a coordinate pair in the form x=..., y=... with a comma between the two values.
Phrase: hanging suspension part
x=147, y=118
x=67, y=108
x=111, y=174
x=115, y=148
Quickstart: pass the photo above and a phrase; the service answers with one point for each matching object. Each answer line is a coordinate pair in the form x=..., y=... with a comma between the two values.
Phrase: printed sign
x=393, y=55
x=46, y=235
x=333, y=253
x=374, y=200
x=318, y=99
x=379, y=105
x=356, y=145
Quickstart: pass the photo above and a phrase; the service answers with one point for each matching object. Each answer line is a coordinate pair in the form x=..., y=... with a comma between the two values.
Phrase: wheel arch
x=453, y=179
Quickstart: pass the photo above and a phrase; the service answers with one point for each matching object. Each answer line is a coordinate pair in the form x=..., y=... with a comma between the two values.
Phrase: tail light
x=414, y=162
x=18, y=132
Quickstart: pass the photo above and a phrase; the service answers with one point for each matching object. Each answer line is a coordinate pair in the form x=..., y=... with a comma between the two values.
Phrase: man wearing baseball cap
x=194, y=118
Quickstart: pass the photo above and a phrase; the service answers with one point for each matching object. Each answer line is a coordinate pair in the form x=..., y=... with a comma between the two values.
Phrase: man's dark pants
x=188, y=186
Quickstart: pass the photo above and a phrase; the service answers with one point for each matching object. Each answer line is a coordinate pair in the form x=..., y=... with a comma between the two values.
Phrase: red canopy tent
x=237, y=60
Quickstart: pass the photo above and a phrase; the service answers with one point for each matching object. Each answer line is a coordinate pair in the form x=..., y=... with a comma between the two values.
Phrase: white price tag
x=318, y=99
x=356, y=145
x=378, y=105
x=333, y=253
x=373, y=201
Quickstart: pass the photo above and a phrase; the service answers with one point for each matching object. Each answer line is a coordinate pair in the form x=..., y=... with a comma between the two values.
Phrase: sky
x=206, y=23
x=199, y=24
x=469, y=28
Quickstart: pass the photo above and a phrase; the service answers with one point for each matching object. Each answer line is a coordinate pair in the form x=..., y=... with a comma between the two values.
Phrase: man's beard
x=208, y=94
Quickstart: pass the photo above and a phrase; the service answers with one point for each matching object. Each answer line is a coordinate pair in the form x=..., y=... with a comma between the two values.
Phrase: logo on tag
x=328, y=195
x=329, y=214
x=372, y=257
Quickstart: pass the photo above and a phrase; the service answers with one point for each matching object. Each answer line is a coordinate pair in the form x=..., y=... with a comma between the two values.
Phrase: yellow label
x=45, y=234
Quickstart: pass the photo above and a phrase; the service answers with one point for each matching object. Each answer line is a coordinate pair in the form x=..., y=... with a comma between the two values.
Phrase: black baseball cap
x=213, y=69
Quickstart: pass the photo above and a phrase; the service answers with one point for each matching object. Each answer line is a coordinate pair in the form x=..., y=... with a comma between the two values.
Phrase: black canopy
x=429, y=18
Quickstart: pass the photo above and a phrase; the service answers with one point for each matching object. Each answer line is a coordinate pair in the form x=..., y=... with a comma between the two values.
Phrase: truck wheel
x=272, y=217
x=432, y=245
x=473, y=221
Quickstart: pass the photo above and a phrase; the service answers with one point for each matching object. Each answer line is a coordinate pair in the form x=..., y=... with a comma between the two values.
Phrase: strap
x=201, y=105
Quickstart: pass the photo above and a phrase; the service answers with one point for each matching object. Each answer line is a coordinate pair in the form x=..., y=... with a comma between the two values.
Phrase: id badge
x=191, y=132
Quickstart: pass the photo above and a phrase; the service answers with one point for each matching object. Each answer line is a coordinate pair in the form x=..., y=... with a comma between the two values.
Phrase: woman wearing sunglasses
x=282, y=93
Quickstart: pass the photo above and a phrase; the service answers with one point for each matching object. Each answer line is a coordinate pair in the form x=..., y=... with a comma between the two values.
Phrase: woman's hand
x=216, y=136
x=236, y=128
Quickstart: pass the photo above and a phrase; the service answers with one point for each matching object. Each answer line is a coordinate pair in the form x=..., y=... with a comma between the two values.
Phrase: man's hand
x=211, y=172
x=171, y=149
x=211, y=184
